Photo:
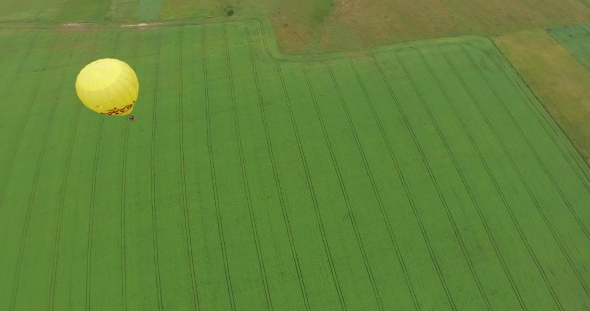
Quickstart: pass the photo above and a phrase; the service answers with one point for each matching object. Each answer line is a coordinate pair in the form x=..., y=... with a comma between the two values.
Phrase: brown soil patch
x=313, y=26
x=294, y=36
x=376, y=22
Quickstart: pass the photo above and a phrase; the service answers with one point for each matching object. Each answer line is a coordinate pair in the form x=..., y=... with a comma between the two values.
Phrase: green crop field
x=575, y=39
x=419, y=176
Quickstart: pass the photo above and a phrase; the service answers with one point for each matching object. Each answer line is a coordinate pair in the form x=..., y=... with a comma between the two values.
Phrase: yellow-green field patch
x=560, y=82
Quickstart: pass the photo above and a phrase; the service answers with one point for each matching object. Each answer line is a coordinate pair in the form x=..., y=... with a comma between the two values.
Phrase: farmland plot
x=558, y=79
x=418, y=176
x=575, y=39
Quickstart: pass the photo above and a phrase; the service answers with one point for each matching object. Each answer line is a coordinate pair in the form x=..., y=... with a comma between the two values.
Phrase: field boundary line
x=275, y=171
x=245, y=176
x=123, y=219
x=303, y=161
x=460, y=173
x=318, y=214
x=433, y=177
x=263, y=23
x=91, y=212
x=214, y=182
x=544, y=114
x=341, y=181
x=550, y=177
x=18, y=141
x=507, y=205
x=195, y=294
x=402, y=180
x=10, y=59
x=92, y=204
x=153, y=175
x=62, y=203
x=549, y=121
x=416, y=214
x=488, y=170
x=526, y=99
x=273, y=53
x=16, y=280
x=465, y=40
x=124, y=198
x=533, y=198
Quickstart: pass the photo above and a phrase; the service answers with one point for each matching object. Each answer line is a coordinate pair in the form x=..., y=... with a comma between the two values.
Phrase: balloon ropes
x=108, y=86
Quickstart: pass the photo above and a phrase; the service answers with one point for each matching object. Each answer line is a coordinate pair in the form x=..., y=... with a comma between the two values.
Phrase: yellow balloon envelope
x=108, y=86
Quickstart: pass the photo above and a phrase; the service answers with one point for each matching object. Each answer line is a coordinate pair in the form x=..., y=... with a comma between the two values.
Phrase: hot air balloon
x=108, y=86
